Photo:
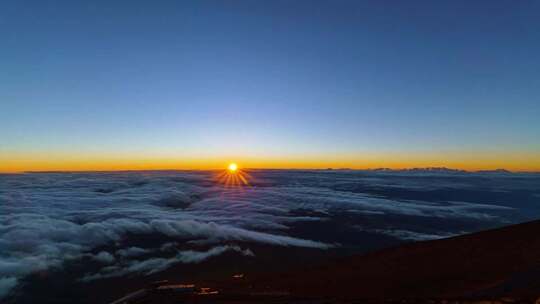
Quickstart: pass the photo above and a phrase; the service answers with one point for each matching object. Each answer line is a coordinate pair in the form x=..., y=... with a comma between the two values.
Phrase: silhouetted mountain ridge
x=439, y=170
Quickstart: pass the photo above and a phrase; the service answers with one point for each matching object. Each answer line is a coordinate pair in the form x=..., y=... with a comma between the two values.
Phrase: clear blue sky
x=269, y=77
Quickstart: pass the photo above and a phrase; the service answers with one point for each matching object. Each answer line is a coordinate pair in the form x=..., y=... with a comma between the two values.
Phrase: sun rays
x=233, y=177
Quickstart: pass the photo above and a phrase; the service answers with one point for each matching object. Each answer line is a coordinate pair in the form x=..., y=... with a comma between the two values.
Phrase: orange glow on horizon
x=471, y=161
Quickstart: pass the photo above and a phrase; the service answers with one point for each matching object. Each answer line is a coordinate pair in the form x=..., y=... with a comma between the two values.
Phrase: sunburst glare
x=233, y=167
x=233, y=176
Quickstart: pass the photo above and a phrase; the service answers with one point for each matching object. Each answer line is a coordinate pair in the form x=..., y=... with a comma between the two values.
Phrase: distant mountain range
x=442, y=170
x=439, y=170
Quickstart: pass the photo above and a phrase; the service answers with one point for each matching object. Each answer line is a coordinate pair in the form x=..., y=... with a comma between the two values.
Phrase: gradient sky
x=195, y=84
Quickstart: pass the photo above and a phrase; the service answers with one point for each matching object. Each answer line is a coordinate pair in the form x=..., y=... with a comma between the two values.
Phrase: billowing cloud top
x=46, y=219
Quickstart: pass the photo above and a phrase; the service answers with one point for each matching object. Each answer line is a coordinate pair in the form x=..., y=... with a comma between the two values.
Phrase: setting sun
x=233, y=177
x=233, y=167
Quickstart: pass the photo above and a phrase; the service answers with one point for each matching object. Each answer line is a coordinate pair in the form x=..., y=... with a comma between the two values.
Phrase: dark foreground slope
x=491, y=264
x=495, y=266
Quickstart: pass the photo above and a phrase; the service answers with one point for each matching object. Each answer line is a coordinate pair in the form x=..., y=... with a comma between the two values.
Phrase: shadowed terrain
x=497, y=263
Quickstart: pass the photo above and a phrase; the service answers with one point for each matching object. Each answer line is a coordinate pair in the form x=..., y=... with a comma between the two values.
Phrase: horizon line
x=379, y=169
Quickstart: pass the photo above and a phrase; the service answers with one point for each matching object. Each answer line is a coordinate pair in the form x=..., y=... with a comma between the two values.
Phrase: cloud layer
x=153, y=265
x=47, y=219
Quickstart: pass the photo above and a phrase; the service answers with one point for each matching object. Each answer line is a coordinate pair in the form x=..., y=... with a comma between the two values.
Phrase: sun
x=232, y=167
x=233, y=177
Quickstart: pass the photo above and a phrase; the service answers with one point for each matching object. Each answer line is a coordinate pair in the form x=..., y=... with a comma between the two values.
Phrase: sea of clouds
x=47, y=219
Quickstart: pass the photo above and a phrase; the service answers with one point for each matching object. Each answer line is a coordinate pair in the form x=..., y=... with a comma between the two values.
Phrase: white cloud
x=154, y=265
x=6, y=285
x=408, y=235
x=104, y=257
x=170, y=246
x=195, y=229
x=47, y=219
x=132, y=252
